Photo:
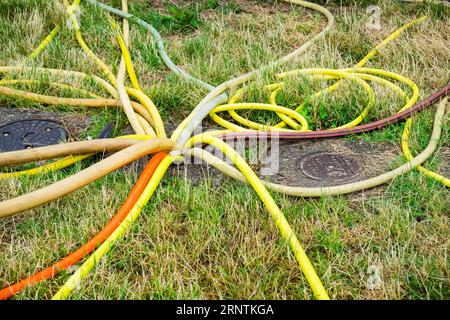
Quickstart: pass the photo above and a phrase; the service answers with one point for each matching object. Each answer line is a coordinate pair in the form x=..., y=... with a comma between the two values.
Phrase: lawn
x=213, y=240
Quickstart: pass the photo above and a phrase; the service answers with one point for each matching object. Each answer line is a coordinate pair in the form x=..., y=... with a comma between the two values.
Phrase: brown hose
x=343, y=132
x=84, y=177
x=66, y=149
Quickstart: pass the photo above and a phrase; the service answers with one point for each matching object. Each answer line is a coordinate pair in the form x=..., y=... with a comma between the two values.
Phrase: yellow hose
x=58, y=85
x=105, y=247
x=315, y=71
x=124, y=98
x=278, y=217
x=44, y=43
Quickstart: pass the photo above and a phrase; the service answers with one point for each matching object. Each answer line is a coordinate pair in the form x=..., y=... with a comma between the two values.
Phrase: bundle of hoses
x=146, y=122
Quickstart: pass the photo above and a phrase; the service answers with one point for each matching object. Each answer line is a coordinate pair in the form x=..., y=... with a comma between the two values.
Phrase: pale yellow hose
x=58, y=85
x=69, y=74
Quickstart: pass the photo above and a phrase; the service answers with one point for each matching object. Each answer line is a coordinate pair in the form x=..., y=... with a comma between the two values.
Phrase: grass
x=216, y=240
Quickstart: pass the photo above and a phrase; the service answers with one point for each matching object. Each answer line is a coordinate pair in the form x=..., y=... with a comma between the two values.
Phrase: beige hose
x=74, y=102
x=84, y=177
x=124, y=98
x=66, y=149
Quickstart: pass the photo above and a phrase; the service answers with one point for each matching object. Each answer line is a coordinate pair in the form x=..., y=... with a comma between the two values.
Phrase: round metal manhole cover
x=329, y=167
x=32, y=133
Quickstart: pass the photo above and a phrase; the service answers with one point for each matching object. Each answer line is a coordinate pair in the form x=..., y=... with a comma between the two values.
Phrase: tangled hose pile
x=150, y=136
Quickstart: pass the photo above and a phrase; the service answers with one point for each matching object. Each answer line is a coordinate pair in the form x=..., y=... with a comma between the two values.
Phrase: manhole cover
x=329, y=166
x=25, y=134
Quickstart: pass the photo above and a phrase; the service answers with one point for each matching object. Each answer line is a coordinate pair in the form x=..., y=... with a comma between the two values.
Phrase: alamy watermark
x=374, y=20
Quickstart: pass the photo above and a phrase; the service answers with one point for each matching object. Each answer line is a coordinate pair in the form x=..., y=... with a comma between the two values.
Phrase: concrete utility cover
x=329, y=166
x=332, y=162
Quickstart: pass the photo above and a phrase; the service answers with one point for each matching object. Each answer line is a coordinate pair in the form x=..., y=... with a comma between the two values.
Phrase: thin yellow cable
x=386, y=41
x=55, y=166
x=44, y=44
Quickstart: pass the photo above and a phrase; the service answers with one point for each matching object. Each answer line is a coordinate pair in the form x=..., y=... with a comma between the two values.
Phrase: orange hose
x=87, y=248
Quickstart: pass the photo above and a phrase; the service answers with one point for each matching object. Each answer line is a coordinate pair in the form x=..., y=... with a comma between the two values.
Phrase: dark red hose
x=342, y=132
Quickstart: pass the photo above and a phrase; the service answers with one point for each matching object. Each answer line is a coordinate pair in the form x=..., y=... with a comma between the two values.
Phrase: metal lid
x=328, y=166
x=31, y=133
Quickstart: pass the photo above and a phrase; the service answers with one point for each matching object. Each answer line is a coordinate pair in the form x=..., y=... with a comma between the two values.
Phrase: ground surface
x=213, y=238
